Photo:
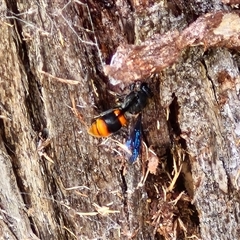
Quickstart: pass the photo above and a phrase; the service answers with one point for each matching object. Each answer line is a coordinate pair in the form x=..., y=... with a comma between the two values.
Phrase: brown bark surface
x=57, y=181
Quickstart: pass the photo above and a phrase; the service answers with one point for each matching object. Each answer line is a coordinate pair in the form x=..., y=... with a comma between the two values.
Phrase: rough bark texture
x=58, y=182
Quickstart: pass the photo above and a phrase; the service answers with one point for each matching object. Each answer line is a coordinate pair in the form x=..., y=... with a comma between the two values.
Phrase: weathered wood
x=56, y=179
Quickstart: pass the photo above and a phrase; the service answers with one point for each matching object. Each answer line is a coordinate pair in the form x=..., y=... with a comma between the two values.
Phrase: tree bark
x=58, y=182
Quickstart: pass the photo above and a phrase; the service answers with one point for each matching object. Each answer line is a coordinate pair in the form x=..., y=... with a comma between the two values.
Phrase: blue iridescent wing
x=134, y=141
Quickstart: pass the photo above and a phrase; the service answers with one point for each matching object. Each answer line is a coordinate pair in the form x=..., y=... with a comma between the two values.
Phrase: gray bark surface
x=58, y=182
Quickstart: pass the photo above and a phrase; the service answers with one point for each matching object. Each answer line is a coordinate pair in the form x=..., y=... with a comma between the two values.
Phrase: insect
x=108, y=122
x=135, y=102
x=112, y=120
x=134, y=141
